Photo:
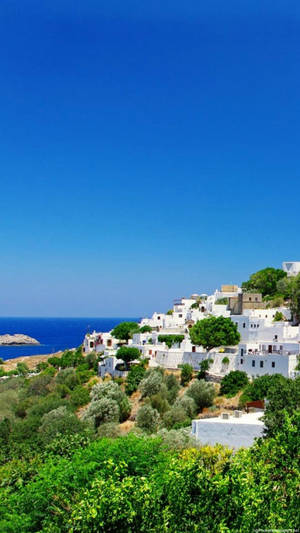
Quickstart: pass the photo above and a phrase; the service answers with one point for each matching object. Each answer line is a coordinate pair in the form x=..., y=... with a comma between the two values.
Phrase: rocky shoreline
x=17, y=339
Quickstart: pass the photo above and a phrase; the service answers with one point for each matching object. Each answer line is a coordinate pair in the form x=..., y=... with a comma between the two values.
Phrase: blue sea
x=54, y=334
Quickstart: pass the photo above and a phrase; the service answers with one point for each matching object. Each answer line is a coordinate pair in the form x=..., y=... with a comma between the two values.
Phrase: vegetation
x=278, y=317
x=145, y=329
x=222, y=301
x=204, y=368
x=264, y=281
x=214, y=331
x=169, y=312
x=125, y=330
x=170, y=340
x=186, y=374
x=127, y=354
x=233, y=382
x=225, y=361
x=64, y=468
x=295, y=299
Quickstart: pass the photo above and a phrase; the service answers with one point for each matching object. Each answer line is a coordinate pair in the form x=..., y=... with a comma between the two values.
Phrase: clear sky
x=148, y=150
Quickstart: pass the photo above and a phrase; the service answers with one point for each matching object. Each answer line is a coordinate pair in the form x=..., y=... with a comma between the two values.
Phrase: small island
x=17, y=339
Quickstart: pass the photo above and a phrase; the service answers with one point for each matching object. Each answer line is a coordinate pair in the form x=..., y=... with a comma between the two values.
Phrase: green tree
x=22, y=369
x=283, y=398
x=186, y=374
x=145, y=329
x=295, y=299
x=134, y=377
x=147, y=418
x=127, y=354
x=114, y=392
x=102, y=411
x=204, y=368
x=203, y=393
x=151, y=384
x=233, y=382
x=59, y=421
x=125, y=330
x=214, y=331
x=170, y=340
x=264, y=281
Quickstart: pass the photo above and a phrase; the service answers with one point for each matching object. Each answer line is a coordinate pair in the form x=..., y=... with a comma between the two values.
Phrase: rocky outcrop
x=17, y=339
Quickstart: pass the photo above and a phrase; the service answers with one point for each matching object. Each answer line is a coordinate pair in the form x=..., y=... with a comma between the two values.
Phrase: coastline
x=30, y=360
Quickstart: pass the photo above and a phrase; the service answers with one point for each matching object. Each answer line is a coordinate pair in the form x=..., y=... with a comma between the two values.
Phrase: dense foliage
x=214, y=331
x=233, y=382
x=170, y=340
x=264, y=281
x=125, y=330
x=142, y=484
x=127, y=354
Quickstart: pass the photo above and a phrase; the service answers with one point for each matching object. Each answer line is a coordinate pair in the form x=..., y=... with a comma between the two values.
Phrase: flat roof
x=246, y=418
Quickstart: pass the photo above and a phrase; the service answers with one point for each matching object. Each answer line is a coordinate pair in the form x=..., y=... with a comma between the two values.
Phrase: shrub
x=134, y=377
x=41, y=366
x=225, y=361
x=147, y=418
x=102, y=411
x=67, y=377
x=38, y=385
x=177, y=439
x=172, y=388
x=80, y=396
x=176, y=415
x=278, y=317
x=113, y=391
x=110, y=430
x=204, y=367
x=54, y=361
x=152, y=384
x=1, y=361
x=160, y=403
x=62, y=390
x=233, y=382
x=46, y=404
x=84, y=375
x=125, y=330
x=58, y=421
x=186, y=374
x=188, y=404
x=22, y=369
x=203, y=393
x=259, y=388
x=50, y=371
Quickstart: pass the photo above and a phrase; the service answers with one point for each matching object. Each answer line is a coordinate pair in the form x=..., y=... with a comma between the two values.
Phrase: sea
x=54, y=334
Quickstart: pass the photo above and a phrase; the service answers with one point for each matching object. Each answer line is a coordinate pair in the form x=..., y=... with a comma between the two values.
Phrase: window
x=150, y=352
x=273, y=364
x=275, y=337
x=109, y=342
x=91, y=344
x=244, y=325
x=242, y=361
x=249, y=299
x=193, y=348
x=261, y=364
x=253, y=362
x=242, y=351
x=180, y=316
x=158, y=318
x=256, y=299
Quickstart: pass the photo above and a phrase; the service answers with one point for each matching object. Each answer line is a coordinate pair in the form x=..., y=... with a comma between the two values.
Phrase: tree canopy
x=125, y=330
x=265, y=281
x=214, y=331
x=128, y=353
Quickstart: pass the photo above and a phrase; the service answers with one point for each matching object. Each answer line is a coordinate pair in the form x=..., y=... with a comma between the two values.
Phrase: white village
x=269, y=344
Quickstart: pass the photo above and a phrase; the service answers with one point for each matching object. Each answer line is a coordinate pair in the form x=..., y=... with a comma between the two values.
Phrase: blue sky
x=148, y=151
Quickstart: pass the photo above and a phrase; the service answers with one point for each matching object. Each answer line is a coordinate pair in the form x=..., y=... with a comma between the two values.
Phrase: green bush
x=22, y=369
x=225, y=361
x=186, y=374
x=147, y=418
x=59, y=421
x=68, y=377
x=110, y=430
x=188, y=404
x=134, y=377
x=127, y=354
x=41, y=366
x=203, y=393
x=233, y=382
x=176, y=415
x=113, y=391
x=170, y=340
x=151, y=384
x=39, y=385
x=79, y=396
x=145, y=329
x=62, y=390
x=173, y=387
x=160, y=403
x=102, y=411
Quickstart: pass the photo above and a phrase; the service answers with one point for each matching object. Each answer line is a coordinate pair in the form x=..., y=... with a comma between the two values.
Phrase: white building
x=292, y=268
x=236, y=431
